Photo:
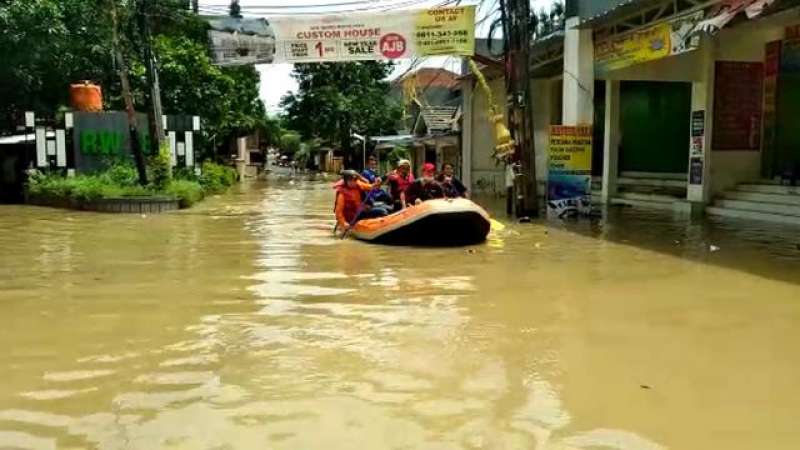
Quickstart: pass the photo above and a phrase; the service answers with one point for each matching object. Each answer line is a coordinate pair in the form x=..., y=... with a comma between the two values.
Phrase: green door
x=787, y=132
x=655, y=121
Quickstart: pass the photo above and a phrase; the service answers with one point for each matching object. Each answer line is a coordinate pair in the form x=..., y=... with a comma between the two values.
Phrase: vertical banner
x=569, y=179
x=772, y=66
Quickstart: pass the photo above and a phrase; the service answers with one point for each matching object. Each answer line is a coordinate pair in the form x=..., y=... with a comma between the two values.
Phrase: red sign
x=393, y=46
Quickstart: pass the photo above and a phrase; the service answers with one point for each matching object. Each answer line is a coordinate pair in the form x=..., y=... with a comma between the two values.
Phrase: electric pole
x=133, y=127
x=517, y=34
x=155, y=111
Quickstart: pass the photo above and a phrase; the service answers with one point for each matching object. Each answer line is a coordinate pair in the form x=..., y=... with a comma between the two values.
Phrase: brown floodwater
x=242, y=324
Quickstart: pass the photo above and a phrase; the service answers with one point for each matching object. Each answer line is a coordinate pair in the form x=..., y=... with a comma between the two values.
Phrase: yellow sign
x=638, y=47
x=658, y=41
x=445, y=31
x=570, y=149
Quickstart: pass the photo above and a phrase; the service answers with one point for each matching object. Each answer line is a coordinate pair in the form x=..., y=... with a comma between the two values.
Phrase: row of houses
x=695, y=105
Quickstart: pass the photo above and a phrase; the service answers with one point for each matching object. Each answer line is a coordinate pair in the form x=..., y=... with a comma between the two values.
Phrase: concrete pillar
x=611, y=141
x=466, y=134
x=578, y=74
x=699, y=188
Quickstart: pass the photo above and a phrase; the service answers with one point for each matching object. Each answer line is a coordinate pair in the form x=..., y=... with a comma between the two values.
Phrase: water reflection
x=243, y=324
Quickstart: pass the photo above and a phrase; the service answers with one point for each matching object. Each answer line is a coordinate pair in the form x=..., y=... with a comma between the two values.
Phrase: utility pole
x=517, y=33
x=155, y=111
x=133, y=127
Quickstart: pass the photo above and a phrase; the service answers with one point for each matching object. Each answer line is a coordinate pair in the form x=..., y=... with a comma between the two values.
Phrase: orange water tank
x=86, y=96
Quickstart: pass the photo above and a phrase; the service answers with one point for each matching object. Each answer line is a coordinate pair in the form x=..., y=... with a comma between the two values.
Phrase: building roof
x=432, y=77
x=437, y=119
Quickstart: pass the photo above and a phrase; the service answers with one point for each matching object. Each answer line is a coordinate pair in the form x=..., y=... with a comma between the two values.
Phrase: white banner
x=353, y=37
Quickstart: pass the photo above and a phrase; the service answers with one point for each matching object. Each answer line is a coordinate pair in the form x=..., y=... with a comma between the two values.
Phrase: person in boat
x=399, y=180
x=424, y=189
x=351, y=199
x=453, y=187
x=370, y=174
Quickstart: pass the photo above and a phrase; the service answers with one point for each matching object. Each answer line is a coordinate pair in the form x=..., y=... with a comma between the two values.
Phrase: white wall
x=487, y=176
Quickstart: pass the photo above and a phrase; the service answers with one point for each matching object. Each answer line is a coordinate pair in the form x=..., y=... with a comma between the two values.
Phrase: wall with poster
x=569, y=180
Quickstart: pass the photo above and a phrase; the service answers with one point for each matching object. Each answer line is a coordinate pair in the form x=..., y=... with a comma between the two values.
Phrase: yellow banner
x=570, y=149
x=658, y=41
x=445, y=31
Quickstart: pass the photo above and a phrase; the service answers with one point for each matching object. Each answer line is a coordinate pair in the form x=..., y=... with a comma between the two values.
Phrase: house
x=694, y=104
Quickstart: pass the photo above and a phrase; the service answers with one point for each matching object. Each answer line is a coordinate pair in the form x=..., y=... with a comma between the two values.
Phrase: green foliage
x=47, y=44
x=290, y=143
x=396, y=154
x=189, y=192
x=341, y=97
x=122, y=175
x=161, y=168
x=217, y=178
x=82, y=188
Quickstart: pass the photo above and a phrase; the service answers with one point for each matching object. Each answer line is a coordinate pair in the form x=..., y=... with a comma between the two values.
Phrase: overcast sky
x=276, y=79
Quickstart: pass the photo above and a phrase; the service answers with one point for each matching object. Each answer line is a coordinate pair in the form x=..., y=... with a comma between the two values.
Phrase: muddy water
x=242, y=324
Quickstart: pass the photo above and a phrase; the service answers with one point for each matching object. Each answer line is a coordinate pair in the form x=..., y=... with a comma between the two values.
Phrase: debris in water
x=677, y=242
x=471, y=251
x=644, y=386
x=538, y=245
x=144, y=216
x=713, y=248
x=525, y=219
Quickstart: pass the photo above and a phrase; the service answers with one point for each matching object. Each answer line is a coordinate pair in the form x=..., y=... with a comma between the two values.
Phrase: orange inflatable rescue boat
x=442, y=222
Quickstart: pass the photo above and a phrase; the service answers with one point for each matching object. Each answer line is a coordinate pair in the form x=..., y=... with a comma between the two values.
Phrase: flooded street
x=242, y=324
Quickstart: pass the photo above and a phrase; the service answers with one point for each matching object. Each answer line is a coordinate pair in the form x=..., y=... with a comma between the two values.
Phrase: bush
x=189, y=192
x=161, y=168
x=217, y=178
x=123, y=175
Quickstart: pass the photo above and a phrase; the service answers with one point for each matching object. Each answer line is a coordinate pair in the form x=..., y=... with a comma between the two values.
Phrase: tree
x=336, y=99
x=47, y=44
x=290, y=143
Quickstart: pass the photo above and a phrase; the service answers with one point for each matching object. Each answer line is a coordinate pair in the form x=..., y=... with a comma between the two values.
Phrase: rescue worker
x=399, y=180
x=350, y=192
x=424, y=189
x=453, y=187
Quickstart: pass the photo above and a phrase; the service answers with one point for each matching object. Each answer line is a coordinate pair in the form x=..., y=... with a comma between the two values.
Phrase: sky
x=276, y=79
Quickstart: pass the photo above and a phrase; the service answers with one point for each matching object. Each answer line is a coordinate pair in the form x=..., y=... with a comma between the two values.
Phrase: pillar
x=578, y=74
x=466, y=134
x=698, y=190
x=611, y=141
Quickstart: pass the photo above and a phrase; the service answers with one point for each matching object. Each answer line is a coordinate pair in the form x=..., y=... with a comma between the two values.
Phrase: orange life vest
x=352, y=200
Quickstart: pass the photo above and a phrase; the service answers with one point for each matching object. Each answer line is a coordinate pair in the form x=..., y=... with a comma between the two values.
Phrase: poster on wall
x=346, y=37
x=658, y=41
x=738, y=105
x=697, y=145
x=569, y=178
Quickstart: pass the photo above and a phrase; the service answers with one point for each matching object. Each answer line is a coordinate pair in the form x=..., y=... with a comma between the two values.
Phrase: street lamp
x=363, y=140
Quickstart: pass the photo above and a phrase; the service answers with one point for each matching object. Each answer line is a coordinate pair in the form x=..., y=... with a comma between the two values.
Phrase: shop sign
x=358, y=37
x=738, y=105
x=649, y=44
x=696, y=171
x=103, y=138
x=569, y=182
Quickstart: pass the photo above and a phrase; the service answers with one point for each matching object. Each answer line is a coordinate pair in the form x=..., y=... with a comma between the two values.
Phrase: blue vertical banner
x=569, y=178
